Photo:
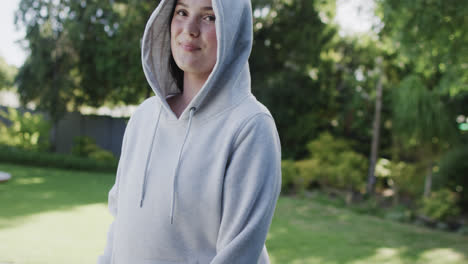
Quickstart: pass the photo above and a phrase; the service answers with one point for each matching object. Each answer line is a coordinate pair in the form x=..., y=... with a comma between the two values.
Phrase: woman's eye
x=181, y=13
x=210, y=18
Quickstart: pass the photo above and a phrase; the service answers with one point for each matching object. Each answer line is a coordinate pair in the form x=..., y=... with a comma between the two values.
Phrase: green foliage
x=7, y=74
x=429, y=50
x=308, y=173
x=431, y=43
x=83, y=146
x=453, y=171
x=282, y=62
x=87, y=147
x=46, y=76
x=109, y=50
x=26, y=131
x=463, y=230
x=82, y=53
x=455, y=82
x=356, y=73
x=298, y=176
x=405, y=178
x=288, y=173
x=326, y=147
x=45, y=159
x=102, y=155
x=422, y=121
x=333, y=163
x=350, y=171
x=419, y=113
x=440, y=206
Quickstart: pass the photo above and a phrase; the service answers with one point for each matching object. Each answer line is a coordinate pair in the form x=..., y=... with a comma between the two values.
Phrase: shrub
x=441, y=205
x=350, y=171
x=326, y=147
x=102, y=155
x=405, y=178
x=463, y=231
x=43, y=159
x=83, y=146
x=333, y=163
x=307, y=173
x=453, y=173
x=86, y=147
x=288, y=173
x=26, y=131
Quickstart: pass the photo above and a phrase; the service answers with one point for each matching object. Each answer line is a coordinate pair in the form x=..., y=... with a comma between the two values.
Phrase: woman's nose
x=192, y=27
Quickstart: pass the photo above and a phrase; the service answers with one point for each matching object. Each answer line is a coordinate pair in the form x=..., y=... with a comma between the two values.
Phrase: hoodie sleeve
x=105, y=258
x=251, y=188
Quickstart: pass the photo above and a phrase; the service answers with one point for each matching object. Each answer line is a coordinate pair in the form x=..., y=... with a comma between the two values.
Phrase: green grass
x=304, y=231
x=55, y=216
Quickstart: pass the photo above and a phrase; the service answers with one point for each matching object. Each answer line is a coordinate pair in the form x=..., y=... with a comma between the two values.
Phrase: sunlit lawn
x=56, y=216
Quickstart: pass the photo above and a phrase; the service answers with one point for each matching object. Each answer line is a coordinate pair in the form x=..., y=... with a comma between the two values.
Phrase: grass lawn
x=56, y=216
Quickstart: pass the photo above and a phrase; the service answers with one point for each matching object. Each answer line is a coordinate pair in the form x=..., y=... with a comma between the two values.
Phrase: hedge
x=45, y=159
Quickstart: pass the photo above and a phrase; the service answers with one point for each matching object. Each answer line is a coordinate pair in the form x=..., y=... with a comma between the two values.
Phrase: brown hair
x=175, y=71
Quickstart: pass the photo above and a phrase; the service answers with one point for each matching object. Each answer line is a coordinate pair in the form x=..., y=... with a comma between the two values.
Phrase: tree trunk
x=394, y=176
x=375, y=134
x=349, y=197
x=428, y=181
x=396, y=195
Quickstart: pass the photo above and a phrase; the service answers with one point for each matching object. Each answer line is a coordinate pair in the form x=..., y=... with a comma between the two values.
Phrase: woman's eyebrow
x=205, y=8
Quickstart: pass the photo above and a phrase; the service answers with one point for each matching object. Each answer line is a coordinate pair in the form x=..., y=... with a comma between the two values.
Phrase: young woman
x=200, y=169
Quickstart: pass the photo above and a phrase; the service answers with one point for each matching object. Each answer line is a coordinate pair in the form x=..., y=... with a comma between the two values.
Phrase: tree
x=371, y=179
x=7, y=74
x=432, y=42
x=422, y=120
x=82, y=53
x=431, y=51
x=289, y=37
x=46, y=78
x=107, y=38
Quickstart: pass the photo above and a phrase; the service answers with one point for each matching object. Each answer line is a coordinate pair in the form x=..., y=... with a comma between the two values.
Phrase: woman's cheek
x=213, y=41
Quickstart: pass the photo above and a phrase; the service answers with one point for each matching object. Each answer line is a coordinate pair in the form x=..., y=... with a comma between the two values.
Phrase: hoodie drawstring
x=174, y=185
x=174, y=182
x=143, y=186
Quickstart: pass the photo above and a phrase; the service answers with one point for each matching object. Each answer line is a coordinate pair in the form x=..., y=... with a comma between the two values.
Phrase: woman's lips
x=189, y=47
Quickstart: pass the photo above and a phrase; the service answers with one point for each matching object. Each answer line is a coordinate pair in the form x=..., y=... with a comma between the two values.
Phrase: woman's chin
x=195, y=69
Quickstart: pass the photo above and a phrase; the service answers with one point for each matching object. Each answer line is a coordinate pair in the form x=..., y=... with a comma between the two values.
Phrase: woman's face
x=193, y=36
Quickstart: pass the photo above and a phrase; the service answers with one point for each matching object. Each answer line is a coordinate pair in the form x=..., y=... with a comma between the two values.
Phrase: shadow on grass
x=33, y=190
x=304, y=231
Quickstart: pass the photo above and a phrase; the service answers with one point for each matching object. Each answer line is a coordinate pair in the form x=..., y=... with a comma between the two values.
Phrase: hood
x=229, y=80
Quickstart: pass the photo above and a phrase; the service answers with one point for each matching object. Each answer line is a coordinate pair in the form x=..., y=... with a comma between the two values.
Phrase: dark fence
x=105, y=130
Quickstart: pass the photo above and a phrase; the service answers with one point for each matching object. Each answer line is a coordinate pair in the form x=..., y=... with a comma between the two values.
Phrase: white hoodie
x=201, y=188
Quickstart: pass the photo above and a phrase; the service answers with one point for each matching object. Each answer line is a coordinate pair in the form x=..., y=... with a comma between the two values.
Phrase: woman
x=200, y=169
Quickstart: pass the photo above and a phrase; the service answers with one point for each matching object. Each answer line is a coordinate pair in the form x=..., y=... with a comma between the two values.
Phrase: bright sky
x=11, y=51
x=356, y=16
